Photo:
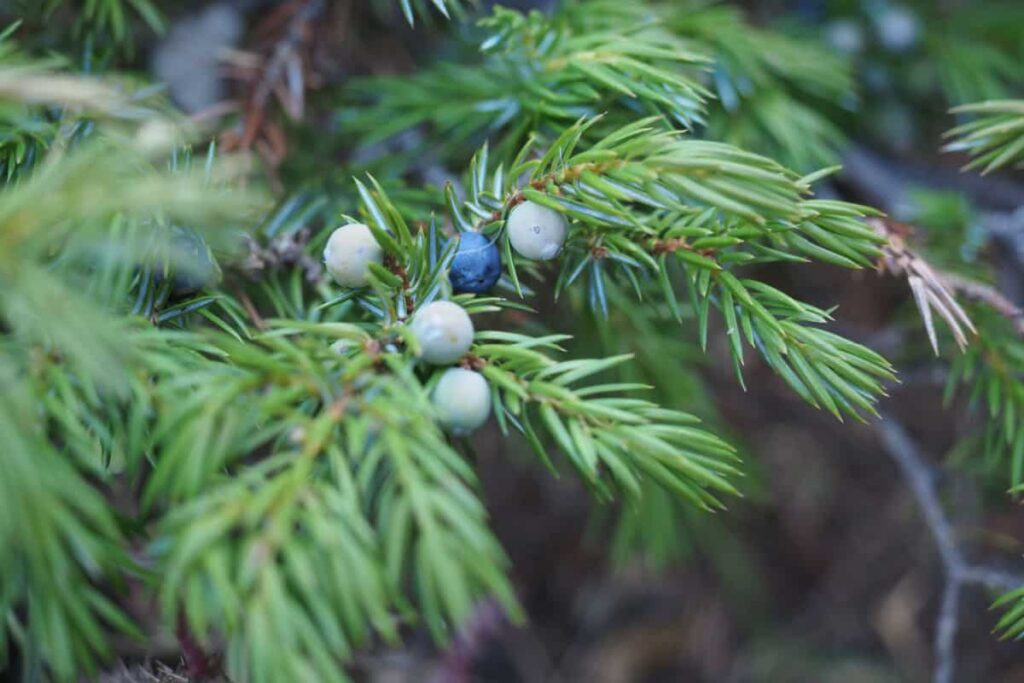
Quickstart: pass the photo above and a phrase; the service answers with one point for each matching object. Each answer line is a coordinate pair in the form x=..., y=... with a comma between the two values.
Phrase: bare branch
x=989, y=296
x=919, y=476
x=945, y=633
x=957, y=572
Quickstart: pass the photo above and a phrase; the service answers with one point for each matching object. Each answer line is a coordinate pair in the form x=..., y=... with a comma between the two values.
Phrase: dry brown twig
x=287, y=250
x=931, y=290
x=278, y=67
x=934, y=289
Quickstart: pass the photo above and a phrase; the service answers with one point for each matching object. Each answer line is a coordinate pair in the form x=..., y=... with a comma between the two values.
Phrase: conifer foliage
x=193, y=410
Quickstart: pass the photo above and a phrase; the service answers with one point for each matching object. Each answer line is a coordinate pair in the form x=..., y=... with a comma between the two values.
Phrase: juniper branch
x=642, y=199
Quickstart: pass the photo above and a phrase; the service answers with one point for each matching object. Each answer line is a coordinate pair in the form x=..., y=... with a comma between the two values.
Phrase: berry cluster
x=443, y=329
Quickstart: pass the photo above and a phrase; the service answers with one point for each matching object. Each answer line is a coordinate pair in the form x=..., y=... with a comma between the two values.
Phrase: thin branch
x=993, y=579
x=283, y=64
x=887, y=182
x=280, y=71
x=945, y=633
x=957, y=572
x=990, y=296
x=920, y=477
x=283, y=251
x=250, y=309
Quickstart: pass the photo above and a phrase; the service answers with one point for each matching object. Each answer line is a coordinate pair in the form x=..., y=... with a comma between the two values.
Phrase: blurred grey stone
x=187, y=59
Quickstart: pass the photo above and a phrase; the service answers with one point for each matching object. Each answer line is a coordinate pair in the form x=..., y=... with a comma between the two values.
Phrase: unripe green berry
x=444, y=332
x=536, y=232
x=462, y=400
x=349, y=252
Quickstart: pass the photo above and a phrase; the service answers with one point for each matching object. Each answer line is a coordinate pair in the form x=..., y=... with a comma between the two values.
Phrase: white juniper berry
x=444, y=332
x=462, y=399
x=349, y=252
x=536, y=231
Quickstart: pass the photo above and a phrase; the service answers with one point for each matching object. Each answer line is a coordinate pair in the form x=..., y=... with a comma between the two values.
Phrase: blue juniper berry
x=476, y=266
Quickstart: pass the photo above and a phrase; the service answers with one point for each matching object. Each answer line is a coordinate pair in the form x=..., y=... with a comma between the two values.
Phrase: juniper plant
x=264, y=451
